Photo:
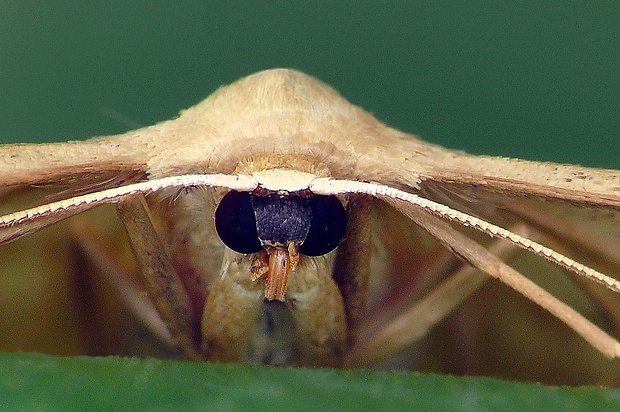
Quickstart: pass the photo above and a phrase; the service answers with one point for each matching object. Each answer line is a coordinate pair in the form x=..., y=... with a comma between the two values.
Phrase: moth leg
x=572, y=234
x=606, y=303
x=351, y=271
x=97, y=250
x=482, y=259
x=234, y=303
x=318, y=312
x=158, y=274
x=415, y=322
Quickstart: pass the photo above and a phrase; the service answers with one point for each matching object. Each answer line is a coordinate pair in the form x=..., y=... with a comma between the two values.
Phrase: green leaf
x=35, y=382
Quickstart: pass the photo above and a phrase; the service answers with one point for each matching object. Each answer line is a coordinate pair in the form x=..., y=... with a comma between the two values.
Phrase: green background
x=538, y=81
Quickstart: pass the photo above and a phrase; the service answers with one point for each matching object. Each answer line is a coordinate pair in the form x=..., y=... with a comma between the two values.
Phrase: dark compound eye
x=235, y=223
x=329, y=222
x=318, y=222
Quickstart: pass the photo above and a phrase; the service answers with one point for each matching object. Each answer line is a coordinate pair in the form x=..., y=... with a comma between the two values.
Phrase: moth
x=275, y=222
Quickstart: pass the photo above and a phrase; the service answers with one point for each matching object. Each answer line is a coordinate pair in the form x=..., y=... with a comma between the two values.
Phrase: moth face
x=278, y=228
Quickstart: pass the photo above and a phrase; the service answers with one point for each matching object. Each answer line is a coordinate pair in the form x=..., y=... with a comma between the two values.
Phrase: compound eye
x=235, y=223
x=329, y=222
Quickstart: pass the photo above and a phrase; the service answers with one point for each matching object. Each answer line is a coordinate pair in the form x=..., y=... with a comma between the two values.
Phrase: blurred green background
x=538, y=81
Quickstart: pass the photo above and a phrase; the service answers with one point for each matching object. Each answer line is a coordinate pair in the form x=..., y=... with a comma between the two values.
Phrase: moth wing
x=579, y=205
x=63, y=170
x=571, y=208
x=590, y=232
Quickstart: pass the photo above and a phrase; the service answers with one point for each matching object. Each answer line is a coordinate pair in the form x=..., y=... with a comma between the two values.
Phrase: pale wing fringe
x=331, y=186
x=27, y=221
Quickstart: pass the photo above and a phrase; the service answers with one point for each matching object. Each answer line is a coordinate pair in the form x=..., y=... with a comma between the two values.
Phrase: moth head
x=278, y=227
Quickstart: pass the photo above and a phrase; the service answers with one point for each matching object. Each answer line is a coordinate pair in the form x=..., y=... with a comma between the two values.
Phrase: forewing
x=569, y=208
